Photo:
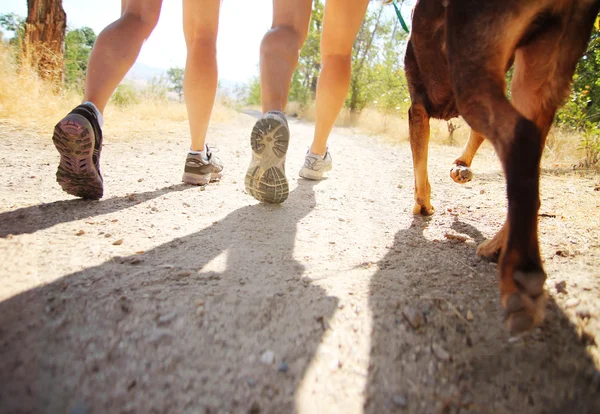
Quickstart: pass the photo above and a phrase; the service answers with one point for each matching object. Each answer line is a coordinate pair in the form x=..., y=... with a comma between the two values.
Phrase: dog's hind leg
x=418, y=125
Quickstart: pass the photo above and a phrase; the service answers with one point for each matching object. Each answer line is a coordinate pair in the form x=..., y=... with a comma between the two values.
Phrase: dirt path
x=163, y=297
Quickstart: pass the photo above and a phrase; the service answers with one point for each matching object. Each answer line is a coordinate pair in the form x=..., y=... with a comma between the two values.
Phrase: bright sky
x=237, y=51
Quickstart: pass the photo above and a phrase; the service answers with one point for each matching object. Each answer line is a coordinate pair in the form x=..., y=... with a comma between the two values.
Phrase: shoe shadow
x=42, y=216
x=457, y=357
x=217, y=321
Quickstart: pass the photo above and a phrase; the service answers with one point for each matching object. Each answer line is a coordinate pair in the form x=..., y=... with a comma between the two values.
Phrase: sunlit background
x=242, y=26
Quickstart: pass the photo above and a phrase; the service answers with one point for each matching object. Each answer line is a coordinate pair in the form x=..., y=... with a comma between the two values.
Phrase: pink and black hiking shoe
x=78, y=139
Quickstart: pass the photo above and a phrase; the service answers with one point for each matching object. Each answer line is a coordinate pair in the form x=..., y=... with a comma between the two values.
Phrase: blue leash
x=400, y=18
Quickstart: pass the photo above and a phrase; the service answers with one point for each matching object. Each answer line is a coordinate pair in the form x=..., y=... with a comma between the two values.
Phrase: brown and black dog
x=456, y=63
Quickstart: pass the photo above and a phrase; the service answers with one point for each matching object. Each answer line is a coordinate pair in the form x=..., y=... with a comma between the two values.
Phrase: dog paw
x=461, y=174
x=489, y=249
x=525, y=306
x=424, y=210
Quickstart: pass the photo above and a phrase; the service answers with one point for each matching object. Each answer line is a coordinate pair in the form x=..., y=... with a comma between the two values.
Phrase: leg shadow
x=42, y=216
x=218, y=321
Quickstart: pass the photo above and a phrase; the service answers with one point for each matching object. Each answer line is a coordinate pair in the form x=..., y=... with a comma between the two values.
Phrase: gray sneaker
x=201, y=171
x=265, y=178
x=315, y=166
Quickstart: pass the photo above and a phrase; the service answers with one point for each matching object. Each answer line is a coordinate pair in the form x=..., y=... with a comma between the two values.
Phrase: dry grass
x=26, y=101
x=562, y=146
x=562, y=149
x=308, y=113
x=393, y=127
x=148, y=117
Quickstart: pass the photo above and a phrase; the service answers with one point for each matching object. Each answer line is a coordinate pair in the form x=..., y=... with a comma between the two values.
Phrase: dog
x=456, y=62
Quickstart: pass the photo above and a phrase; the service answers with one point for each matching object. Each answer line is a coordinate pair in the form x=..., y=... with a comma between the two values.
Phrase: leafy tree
x=78, y=46
x=304, y=81
x=377, y=68
x=582, y=111
x=175, y=76
x=390, y=88
x=157, y=89
x=125, y=95
x=253, y=92
x=14, y=23
x=377, y=73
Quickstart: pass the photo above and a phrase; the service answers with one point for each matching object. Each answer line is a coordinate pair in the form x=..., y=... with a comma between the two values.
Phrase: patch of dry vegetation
x=563, y=149
x=148, y=117
x=27, y=101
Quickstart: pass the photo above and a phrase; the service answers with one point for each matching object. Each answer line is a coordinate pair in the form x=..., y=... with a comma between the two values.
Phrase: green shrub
x=125, y=95
x=157, y=89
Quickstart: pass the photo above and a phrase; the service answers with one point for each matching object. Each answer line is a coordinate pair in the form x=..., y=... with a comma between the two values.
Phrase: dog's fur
x=456, y=63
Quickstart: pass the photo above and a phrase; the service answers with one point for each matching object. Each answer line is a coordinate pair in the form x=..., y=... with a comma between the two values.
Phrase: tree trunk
x=44, y=37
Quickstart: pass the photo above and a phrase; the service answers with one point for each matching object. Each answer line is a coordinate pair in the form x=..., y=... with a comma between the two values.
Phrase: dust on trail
x=163, y=297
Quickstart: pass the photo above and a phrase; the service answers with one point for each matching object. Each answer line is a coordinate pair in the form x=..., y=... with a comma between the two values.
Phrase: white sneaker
x=265, y=179
x=316, y=165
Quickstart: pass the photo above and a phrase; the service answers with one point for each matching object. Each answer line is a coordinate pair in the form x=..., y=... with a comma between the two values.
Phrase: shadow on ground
x=42, y=216
x=217, y=321
x=222, y=320
x=451, y=364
